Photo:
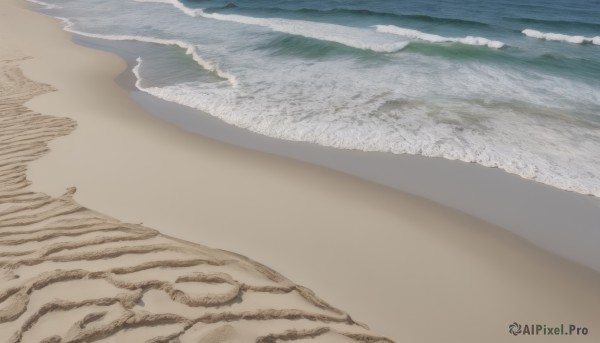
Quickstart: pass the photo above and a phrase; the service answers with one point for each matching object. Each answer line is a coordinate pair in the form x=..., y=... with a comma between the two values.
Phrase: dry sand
x=413, y=270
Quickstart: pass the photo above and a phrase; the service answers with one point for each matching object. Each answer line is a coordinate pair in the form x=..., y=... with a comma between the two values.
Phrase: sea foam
x=525, y=121
x=46, y=5
x=189, y=48
x=414, y=130
x=177, y=4
x=350, y=36
x=559, y=37
x=414, y=34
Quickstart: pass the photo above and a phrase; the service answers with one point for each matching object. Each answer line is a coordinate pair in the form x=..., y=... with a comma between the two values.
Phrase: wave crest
x=414, y=34
x=559, y=37
x=345, y=35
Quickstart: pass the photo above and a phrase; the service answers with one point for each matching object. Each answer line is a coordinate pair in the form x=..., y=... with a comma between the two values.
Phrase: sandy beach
x=102, y=262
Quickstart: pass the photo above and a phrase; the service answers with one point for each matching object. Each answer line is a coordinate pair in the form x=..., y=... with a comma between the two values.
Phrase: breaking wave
x=558, y=37
x=414, y=34
x=350, y=36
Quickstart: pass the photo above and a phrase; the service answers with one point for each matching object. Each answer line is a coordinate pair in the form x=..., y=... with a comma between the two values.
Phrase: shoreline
x=272, y=209
x=532, y=210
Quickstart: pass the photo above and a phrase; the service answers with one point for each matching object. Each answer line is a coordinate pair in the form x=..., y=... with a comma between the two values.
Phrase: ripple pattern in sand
x=69, y=274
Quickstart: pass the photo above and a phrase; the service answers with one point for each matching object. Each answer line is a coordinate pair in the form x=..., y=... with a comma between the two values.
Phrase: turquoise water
x=507, y=84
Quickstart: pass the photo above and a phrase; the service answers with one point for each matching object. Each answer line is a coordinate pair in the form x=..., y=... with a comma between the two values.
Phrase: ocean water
x=507, y=83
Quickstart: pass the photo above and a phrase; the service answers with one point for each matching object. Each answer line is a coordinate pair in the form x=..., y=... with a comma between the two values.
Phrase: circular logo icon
x=514, y=328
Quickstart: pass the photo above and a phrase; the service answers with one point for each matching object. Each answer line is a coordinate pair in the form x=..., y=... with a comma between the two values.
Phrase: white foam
x=329, y=113
x=414, y=34
x=189, y=48
x=559, y=37
x=414, y=132
x=347, y=114
x=41, y=3
x=525, y=122
x=136, y=71
x=189, y=11
x=345, y=35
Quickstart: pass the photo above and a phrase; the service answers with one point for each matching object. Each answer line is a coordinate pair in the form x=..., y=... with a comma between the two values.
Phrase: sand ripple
x=49, y=244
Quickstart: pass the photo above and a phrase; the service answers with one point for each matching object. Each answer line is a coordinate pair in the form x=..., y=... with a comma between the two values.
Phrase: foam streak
x=414, y=34
x=190, y=49
x=559, y=37
x=345, y=35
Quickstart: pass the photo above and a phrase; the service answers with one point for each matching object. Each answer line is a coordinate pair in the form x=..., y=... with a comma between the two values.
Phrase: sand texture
x=69, y=274
x=413, y=270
